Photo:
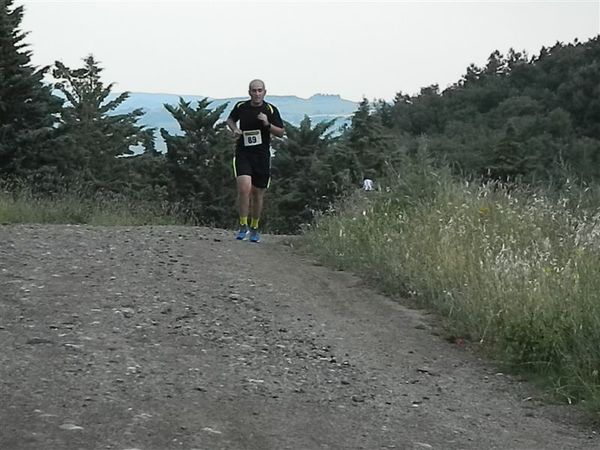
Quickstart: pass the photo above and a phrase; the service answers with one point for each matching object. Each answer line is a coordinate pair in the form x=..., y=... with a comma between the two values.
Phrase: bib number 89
x=252, y=137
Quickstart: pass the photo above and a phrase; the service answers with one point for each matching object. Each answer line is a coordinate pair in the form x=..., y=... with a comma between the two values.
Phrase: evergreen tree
x=27, y=107
x=374, y=148
x=400, y=115
x=510, y=156
x=96, y=135
x=427, y=111
x=517, y=117
x=147, y=174
x=304, y=175
x=199, y=163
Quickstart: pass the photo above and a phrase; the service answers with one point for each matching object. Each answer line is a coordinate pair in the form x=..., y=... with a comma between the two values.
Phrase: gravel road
x=183, y=338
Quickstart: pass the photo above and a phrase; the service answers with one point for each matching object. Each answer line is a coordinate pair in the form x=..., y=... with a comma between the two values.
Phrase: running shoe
x=254, y=235
x=242, y=233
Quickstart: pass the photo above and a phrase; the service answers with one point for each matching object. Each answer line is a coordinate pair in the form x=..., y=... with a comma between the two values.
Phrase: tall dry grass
x=516, y=271
x=18, y=204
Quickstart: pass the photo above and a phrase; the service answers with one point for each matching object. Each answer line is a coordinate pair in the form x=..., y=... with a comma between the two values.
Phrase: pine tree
x=199, y=163
x=96, y=135
x=303, y=175
x=147, y=174
x=27, y=106
x=374, y=147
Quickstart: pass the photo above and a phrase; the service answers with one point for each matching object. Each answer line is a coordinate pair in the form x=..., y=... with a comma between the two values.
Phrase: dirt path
x=183, y=338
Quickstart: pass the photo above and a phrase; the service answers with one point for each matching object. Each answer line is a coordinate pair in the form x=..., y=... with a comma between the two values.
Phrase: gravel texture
x=183, y=338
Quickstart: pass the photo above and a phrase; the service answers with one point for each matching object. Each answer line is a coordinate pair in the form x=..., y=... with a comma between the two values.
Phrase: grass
x=22, y=206
x=513, y=270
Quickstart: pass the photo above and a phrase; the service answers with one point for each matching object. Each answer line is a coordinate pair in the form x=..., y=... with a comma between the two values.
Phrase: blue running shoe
x=242, y=233
x=254, y=235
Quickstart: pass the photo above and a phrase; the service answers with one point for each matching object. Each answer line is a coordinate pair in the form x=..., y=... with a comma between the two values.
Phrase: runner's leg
x=257, y=195
x=244, y=187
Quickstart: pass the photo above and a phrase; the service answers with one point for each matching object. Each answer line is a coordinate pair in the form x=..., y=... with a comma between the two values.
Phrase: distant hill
x=319, y=107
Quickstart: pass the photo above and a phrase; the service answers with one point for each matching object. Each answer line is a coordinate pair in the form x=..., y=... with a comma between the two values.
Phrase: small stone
x=36, y=340
x=428, y=372
x=127, y=312
x=70, y=427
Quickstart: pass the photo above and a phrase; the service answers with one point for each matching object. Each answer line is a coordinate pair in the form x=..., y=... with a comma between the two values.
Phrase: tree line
x=519, y=118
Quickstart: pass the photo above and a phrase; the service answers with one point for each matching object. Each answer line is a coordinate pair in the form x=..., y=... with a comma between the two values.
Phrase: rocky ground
x=183, y=338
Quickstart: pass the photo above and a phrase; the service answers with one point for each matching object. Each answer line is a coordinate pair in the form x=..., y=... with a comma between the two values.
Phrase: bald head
x=257, y=92
x=256, y=83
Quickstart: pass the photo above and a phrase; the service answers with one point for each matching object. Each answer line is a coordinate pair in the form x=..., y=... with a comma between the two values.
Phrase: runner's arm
x=233, y=127
x=277, y=131
x=277, y=127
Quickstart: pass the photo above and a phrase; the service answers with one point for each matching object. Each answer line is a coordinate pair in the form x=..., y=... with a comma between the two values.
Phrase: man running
x=258, y=119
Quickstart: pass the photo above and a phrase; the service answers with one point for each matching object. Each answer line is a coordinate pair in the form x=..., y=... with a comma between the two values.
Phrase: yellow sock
x=254, y=223
x=243, y=220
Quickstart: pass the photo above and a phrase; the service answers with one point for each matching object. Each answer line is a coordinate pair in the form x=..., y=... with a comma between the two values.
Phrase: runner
x=257, y=119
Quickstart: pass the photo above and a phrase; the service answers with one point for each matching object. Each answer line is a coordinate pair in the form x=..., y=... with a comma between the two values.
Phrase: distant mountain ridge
x=319, y=107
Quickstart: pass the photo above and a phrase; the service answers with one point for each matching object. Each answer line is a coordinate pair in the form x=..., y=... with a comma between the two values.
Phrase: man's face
x=257, y=93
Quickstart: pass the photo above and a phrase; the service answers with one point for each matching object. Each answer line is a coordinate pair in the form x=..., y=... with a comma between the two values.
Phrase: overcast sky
x=355, y=49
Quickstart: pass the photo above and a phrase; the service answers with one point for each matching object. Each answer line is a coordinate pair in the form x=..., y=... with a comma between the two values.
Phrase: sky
x=370, y=49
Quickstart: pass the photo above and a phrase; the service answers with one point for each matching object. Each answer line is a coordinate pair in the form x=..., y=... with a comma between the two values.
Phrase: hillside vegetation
x=486, y=206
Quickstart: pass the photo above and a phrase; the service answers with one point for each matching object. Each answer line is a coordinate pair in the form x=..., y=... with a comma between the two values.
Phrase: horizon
x=321, y=94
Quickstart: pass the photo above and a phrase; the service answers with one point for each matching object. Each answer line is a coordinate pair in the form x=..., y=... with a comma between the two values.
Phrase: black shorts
x=255, y=164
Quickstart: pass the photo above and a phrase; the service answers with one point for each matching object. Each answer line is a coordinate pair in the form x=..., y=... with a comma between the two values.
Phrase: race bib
x=252, y=137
